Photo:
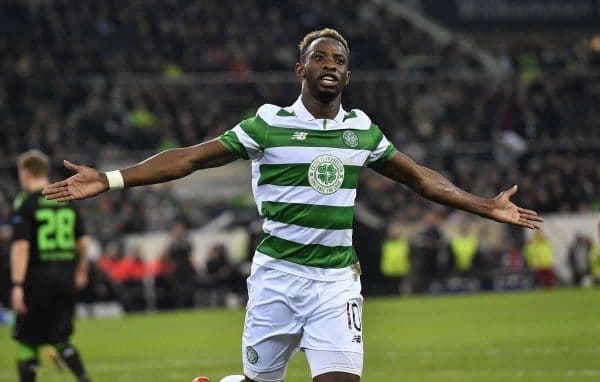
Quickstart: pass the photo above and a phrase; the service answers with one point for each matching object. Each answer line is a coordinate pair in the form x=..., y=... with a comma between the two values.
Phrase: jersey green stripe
x=280, y=137
x=309, y=215
x=257, y=129
x=297, y=175
x=314, y=255
x=285, y=113
x=233, y=144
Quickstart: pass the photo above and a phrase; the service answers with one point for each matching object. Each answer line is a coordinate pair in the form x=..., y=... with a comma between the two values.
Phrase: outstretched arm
x=162, y=167
x=433, y=186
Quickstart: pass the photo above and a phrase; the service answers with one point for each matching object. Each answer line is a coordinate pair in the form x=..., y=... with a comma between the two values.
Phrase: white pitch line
x=504, y=351
x=166, y=364
x=129, y=367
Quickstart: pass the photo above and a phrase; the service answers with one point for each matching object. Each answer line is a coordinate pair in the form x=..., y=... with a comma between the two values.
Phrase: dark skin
x=324, y=57
x=324, y=73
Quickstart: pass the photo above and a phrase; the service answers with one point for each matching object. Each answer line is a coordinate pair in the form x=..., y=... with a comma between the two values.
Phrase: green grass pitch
x=533, y=336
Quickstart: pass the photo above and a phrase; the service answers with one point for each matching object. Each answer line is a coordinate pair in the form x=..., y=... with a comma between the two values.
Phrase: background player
x=306, y=300
x=48, y=265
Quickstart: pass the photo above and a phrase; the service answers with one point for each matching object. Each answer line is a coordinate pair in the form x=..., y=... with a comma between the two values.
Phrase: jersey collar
x=303, y=114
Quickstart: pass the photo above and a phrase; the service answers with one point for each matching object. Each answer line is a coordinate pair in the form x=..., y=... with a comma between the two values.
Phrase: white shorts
x=286, y=313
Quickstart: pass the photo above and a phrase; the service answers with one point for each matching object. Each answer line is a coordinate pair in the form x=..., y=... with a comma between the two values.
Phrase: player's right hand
x=81, y=279
x=18, y=300
x=86, y=183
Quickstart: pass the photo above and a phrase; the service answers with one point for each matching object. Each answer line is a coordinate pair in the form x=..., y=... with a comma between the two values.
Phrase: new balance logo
x=299, y=136
x=357, y=339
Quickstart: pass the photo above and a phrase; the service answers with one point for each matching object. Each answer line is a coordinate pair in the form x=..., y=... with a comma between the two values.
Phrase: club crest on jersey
x=299, y=136
x=350, y=138
x=326, y=174
x=251, y=354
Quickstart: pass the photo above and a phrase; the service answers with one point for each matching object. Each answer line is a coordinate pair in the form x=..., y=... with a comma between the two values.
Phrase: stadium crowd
x=484, y=137
x=89, y=80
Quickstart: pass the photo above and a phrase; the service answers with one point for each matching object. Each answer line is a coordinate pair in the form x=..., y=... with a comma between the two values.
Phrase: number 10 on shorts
x=353, y=313
x=354, y=318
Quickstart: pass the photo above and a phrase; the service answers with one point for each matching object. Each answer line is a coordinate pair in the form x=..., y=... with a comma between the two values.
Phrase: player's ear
x=299, y=69
x=347, y=78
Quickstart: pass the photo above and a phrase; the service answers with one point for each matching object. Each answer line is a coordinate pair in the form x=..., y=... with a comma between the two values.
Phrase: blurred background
x=491, y=93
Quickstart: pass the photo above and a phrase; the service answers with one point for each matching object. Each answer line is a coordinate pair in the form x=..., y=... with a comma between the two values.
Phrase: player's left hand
x=18, y=300
x=87, y=182
x=504, y=211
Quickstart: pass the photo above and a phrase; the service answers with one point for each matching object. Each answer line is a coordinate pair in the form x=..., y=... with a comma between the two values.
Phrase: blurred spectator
x=595, y=263
x=512, y=257
x=110, y=260
x=595, y=259
x=162, y=270
x=464, y=246
x=132, y=271
x=127, y=275
x=538, y=256
x=5, y=280
x=428, y=247
x=395, y=263
x=184, y=273
x=579, y=257
x=100, y=287
x=222, y=276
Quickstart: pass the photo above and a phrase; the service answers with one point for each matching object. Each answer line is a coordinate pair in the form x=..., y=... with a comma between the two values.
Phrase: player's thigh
x=33, y=327
x=60, y=319
x=272, y=330
x=336, y=322
x=337, y=377
x=334, y=366
x=30, y=328
x=267, y=360
x=328, y=377
x=333, y=338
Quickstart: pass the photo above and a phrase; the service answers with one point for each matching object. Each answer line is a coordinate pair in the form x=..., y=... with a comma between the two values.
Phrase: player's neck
x=36, y=184
x=321, y=110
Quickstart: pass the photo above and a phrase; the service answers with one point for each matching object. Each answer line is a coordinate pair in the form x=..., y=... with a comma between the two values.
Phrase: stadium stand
x=88, y=81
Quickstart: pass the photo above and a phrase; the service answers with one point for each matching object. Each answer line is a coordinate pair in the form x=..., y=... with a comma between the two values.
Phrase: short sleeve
x=248, y=138
x=22, y=222
x=383, y=151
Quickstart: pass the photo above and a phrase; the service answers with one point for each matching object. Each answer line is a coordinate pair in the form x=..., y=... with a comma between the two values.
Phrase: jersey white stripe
x=287, y=155
x=306, y=235
x=306, y=195
x=313, y=273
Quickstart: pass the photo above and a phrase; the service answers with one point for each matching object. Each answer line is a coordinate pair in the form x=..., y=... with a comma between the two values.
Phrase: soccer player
x=48, y=265
x=304, y=288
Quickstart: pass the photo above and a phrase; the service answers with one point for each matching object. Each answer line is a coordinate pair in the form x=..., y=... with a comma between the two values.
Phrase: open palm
x=87, y=182
x=505, y=211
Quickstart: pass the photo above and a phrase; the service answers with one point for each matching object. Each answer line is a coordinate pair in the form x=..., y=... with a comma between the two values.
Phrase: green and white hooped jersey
x=304, y=178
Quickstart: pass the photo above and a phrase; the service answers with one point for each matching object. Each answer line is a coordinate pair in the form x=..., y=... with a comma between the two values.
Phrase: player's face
x=325, y=69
